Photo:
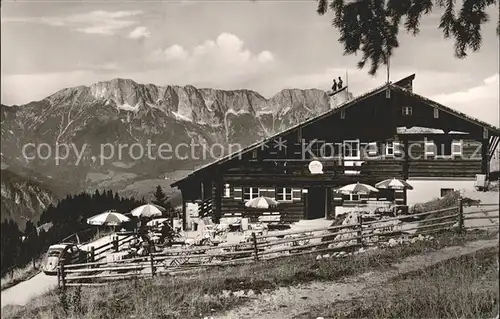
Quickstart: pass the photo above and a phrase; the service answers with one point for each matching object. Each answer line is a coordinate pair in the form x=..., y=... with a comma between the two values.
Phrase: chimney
x=406, y=83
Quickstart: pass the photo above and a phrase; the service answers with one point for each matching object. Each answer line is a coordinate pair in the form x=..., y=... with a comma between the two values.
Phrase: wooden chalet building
x=389, y=132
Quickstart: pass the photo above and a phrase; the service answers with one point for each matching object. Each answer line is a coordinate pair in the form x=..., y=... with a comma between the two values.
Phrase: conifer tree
x=372, y=26
x=160, y=198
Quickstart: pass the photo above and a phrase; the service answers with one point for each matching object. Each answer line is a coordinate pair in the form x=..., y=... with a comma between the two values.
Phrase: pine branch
x=372, y=26
x=322, y=7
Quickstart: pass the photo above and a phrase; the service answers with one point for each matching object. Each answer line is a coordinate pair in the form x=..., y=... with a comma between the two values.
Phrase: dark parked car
x=68, y=253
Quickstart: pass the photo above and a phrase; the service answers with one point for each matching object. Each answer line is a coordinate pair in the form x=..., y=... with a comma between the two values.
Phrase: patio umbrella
x=148, y=210
x=261, y=202
x=108, y=218
x=357, y=188
x=393, y=183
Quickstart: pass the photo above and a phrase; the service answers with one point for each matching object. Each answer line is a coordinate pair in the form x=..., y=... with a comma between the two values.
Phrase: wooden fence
x=363, y=232
x=100, y=252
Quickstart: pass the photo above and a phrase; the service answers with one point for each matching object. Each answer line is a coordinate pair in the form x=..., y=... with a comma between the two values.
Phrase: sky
x=260, y=45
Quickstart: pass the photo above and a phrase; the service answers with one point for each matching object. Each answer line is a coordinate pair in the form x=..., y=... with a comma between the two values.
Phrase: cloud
x=226, y=49
x=175, y=52
x=265, y=56
x=94, y=22
x=480, y=101
x=223, y=61
x=140, y=32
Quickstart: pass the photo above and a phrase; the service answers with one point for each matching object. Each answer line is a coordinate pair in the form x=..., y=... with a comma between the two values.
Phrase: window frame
x=281, y=194
x=389, y=146
x=344, y=149
x=407, y=110
x=428, y=143
x=372, y=149
x=446, y=189
x=436, y=113
x=251, y=193
x=458, y=143
x=316, y=148
x=227, y=191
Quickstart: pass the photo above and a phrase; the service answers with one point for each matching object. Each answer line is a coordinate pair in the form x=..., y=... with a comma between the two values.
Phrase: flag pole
x=346, y=85
x=388, y=68
x=388, y=90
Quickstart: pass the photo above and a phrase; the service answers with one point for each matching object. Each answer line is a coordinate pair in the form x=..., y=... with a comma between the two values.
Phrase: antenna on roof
x=388, y=68
x=388, y=89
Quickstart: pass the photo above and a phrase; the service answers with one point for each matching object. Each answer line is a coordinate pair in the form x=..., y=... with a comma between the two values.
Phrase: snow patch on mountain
x=128, y=107
x=182, y=117
x=239, y=112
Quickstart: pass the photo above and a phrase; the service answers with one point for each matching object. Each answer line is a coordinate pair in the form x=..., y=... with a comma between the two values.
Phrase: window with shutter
x=371, y=149
x=456, y=148
x=297, y=194
x=430, y=148
x=237, y=193
x=389, y=149
x=227, y=190
x=397, y=148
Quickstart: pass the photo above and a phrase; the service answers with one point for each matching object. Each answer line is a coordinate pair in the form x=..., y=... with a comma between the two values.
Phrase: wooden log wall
x=290, y=211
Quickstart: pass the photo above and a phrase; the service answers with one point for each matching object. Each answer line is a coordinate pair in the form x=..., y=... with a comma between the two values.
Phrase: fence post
x=92, y=254
x=360, y=231
x=151, y=260
x=33, y=260
x=115, y=243
x=255, y=249
x=63, y=280
x=59, y=277
x=460, y=215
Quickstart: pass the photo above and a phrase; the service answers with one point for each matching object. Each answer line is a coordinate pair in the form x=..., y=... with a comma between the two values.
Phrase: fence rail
x=267, y=247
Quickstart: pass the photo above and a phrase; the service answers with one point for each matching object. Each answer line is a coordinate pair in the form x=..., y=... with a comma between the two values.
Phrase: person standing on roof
x=334, y=87
x=340, y=82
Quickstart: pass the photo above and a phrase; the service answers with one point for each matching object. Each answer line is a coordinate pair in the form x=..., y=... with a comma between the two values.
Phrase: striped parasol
x=108, y=218
x=357, y=188
x=393, y=183
x=261, y=202
x=148, y=210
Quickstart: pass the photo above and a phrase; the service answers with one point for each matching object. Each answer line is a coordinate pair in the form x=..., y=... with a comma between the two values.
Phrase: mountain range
x=100, y=131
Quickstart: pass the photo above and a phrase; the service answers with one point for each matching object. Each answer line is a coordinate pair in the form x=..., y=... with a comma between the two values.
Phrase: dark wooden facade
x=389, y=132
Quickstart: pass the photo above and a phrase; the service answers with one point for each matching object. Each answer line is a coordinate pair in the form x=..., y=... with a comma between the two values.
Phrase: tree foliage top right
x=372, y=26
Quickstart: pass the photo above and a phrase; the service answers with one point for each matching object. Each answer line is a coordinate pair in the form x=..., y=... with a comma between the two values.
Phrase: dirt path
x=23, y=292
x=295, y=301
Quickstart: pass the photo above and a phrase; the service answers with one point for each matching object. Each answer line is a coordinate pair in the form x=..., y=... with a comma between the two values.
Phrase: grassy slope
x=201, y=294
x=462, y=287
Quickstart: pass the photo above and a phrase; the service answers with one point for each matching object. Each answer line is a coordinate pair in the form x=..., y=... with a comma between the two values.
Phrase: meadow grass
x=461, y=287
x=202, y=293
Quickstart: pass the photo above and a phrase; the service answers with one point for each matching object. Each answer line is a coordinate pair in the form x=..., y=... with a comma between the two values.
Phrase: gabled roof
x=258, y=144
x=492, y=129
x=345, y=105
